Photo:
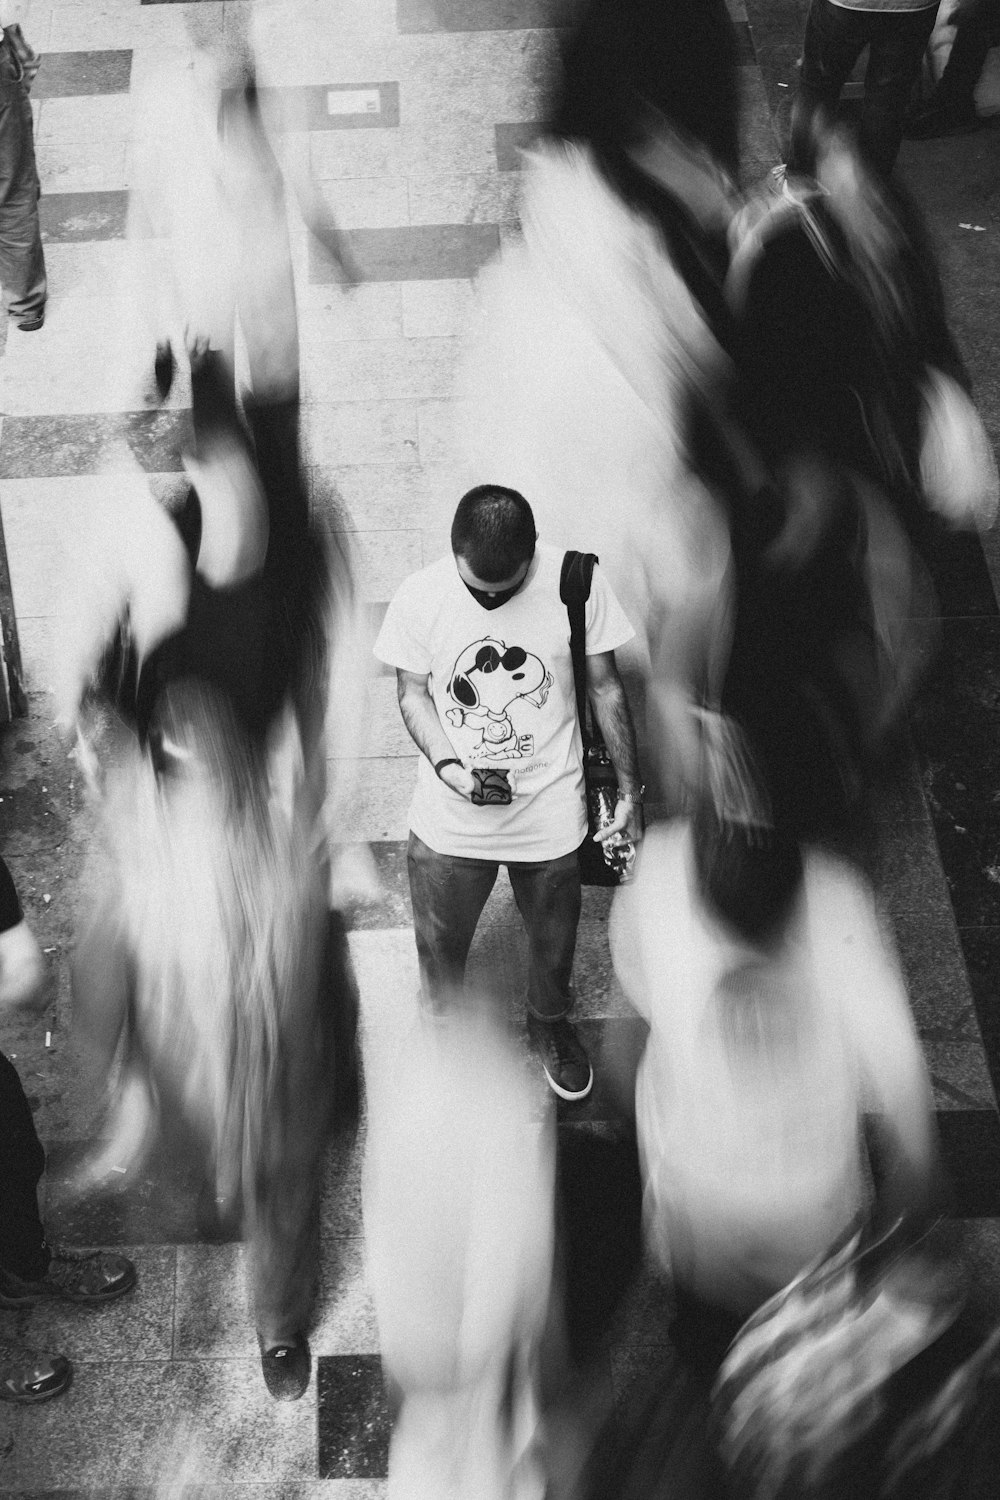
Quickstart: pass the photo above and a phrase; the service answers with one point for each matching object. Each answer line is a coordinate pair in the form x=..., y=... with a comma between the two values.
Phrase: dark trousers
x=834, y=40
x=448, y=894
x=974, y=35
x=22, y=1161
x=22, y=263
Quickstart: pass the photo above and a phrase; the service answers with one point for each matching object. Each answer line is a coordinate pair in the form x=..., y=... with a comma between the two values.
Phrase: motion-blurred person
x=896, y=33
x=626, y=202
x=31, y=1268
x=951, y=108
x=458, y=1214
x=22, y=261
x=480, y=644
x=778, y=1021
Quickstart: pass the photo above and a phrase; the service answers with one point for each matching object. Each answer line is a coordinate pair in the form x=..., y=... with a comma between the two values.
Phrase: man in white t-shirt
x=480, y=643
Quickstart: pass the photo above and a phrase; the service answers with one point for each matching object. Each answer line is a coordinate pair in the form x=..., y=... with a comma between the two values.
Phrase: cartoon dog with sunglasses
x=488, y=677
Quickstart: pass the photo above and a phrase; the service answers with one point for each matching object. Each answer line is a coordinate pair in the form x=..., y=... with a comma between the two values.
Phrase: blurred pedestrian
x=22, y=260
x=30, y=1268
x=951, y=107
x=896, y=33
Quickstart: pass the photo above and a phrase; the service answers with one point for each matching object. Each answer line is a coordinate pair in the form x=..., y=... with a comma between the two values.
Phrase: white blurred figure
x=778, y=1015
x=458, y=1213
x=594, y=331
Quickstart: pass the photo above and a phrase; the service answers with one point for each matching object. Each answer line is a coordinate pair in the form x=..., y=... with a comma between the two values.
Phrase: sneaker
x=567, y=1066
x=33, y=323
x=286, y=1367
x=91, y=1276
x=28, y=1376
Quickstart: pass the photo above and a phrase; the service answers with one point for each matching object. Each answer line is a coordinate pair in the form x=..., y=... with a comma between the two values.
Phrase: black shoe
x=941, y=117
x=560, y=1051
x=28, y=1376
x=32, y=324
x=90, y=1276
x=286, y=1368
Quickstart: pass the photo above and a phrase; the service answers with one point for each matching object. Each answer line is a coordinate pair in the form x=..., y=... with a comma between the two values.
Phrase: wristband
x=449, y=760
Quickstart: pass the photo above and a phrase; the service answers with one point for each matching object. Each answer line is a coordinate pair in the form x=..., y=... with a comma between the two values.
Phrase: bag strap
x=574, y=591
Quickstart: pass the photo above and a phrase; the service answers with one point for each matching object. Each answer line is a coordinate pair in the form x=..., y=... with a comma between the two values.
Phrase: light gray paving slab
x=332, y=314
x=408, y=369
x=361, y=432
x=139, y=1326
x=385, y=786
x=464, y=197
x=436, y=309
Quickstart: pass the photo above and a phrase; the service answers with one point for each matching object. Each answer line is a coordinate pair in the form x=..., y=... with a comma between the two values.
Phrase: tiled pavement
x=410, y=113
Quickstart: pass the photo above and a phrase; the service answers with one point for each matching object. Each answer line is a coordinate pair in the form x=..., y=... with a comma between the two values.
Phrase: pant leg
x=448, y=895
x=973, y=38
x=834, y=40
x=899, y=41
x=22, y=262
x=22, y=1161
x=548, y=897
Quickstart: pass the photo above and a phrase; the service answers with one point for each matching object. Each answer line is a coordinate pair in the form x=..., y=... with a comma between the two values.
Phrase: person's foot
x=561, y=1053
x=164, y=366
x=941, y=117
x=33, y=323
x=91, y=1276
x=28, y=1376
x=286, y=1367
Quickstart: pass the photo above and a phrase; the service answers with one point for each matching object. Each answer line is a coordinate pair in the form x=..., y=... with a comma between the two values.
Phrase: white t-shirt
x=502, y=683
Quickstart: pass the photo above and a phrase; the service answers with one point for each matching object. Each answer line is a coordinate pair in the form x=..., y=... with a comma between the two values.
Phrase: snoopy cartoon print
x=488, y=678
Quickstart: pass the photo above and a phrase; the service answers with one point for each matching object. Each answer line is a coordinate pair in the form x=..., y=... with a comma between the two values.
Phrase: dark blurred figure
x=22, y=261
x=951, y=108
x=30, y=1268
x=837, y=32
x=210, y=953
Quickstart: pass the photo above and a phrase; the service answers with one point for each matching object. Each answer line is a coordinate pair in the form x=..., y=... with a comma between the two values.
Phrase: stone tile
x=352, y=1417
x=959, y=1076
x=511, y=139
x=464, y=198
x=355, y=153
x=438, y=440
x=151, y=1205
x=971, y=1144
x=340, y=1205
x=936, y=979
x=214, y=1318
x=89, y=362
x=72, y=168
x=356, y=432
x=333, y=314
x=386, y=967
x=385, y=787
x=371, y=203
x=424, y=252
x=99, y=118
x=82, y=215
x=88, y=268
x=406, y=369
x=164, y=1424
x=334, y=106
x=981, y=1248
x=907, y=872
x=436, y=309
x=136, y=1327
x=384, y=559
x=757, y=138
x=462, y=144
x=63, y=75
x=481, y=15
x=345, y=1314
x=369, y=497
x=981, y=948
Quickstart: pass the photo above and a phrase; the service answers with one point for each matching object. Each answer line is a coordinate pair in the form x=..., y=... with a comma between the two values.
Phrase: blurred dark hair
x=749, y=876
x=679, y=56
x=493, y=531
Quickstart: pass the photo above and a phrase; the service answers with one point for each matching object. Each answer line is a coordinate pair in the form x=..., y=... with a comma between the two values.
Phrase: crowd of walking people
x=711, y=434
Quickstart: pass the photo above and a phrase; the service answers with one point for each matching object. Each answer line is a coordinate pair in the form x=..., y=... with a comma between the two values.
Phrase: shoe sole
x=557, y=1088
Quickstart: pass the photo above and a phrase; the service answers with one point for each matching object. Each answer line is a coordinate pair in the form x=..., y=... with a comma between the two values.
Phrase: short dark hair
x=493, y=531
x=750, y=877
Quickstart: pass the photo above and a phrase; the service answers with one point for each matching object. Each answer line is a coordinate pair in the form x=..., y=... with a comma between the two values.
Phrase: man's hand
x=627, y=823
x=460, y=779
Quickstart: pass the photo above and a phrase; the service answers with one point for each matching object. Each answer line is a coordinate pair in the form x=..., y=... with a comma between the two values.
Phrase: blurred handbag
x=958, y=472
x=858, y=1379
x=607, y=864
x=28, y=59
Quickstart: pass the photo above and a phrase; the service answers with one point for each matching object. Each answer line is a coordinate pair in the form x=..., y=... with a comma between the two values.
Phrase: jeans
x=448, y=894
x=22, y=263
x=834, y=40
x=23, y=1250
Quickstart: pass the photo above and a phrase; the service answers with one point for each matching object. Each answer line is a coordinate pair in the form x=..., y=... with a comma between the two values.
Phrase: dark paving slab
x=418, y=252
x=981, y=948
x=64, y=75
x=482, y=15
x=970, y=1141
x=68, y=218
x=956, y=727
x=352, y=1417
x=47, y=447
x=328, y=106
x=957, y=567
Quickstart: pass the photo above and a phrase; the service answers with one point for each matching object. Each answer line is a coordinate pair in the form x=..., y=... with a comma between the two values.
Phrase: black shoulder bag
x=600, y=779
